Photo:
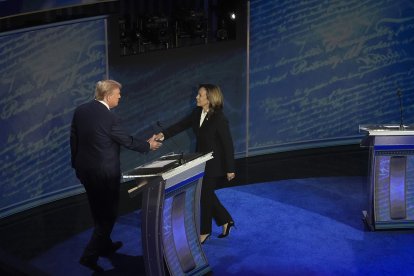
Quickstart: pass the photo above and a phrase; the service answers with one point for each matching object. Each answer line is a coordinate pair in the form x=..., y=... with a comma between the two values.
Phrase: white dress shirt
x=203, y=116
x=105, y=104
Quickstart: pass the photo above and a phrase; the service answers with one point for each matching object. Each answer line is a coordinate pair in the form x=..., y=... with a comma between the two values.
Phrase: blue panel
x=183, y=183
x=394, y=147
x=170, y=250
x=318, y=69
x=46, y=73
x=382, y=189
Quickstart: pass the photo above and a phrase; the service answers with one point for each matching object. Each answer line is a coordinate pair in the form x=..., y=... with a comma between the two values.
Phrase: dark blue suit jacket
x=96, y=137
x=212, y=136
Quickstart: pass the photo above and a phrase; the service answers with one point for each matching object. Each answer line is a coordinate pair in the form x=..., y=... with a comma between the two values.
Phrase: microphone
x=399, y=94
x=181, y=159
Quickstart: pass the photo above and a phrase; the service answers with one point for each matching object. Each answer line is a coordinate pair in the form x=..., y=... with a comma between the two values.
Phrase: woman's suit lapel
x=206, y=120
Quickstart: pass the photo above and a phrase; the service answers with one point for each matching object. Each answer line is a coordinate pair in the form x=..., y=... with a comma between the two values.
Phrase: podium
x=170, y=188
x=390, y=177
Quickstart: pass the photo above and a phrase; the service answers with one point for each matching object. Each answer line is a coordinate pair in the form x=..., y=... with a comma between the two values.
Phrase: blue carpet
x=292, y=227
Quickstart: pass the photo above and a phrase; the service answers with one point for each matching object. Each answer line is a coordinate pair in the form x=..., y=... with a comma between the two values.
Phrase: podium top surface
x=387, y=130
x=167, y=166
x=174, y=169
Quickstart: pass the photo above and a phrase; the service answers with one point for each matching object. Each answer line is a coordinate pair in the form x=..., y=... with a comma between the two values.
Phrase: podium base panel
x=182, y=249
x=387, y=225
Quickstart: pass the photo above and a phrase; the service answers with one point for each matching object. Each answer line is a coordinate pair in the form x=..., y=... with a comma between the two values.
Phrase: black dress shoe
x=111, y=250
x=226, y=231
x=91, y=263
x=204, y=238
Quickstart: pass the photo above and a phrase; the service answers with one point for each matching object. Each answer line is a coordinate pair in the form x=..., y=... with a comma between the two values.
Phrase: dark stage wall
x=161, y=86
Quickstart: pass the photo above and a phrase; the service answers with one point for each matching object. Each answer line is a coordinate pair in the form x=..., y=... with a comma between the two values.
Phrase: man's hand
x=230, y=176
x=154, y=145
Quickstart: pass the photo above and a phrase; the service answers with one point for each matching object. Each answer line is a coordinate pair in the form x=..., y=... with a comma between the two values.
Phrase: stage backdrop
x=318, y=69
x=45, y=73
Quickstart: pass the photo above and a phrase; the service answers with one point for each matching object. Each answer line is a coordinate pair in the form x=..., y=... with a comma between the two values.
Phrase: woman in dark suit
x=213, y=135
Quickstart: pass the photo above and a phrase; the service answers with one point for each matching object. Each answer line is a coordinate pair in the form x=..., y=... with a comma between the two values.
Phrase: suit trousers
x=210, y=205
x=102, y=189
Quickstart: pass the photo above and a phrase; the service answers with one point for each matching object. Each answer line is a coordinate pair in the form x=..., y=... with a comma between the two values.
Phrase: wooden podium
x=391, y=176
x=171, y=187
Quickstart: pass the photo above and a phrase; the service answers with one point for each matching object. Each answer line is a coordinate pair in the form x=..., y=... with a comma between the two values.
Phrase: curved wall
x=318, y=69
x=45, y=73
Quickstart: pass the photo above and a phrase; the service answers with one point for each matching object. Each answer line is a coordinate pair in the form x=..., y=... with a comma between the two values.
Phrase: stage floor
x=307, y=226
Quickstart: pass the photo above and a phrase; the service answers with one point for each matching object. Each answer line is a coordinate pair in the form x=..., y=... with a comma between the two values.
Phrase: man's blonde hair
x=214, y=96
x=105, y=88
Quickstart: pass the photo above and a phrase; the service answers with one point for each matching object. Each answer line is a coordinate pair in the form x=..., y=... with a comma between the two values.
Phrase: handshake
x=156, y=141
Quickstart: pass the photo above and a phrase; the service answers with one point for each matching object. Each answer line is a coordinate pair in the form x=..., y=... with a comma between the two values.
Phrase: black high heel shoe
x=229, y=225
x=203, y=240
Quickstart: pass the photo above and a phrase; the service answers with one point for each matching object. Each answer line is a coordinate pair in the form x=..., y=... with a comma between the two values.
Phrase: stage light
x=233, y=16
x=157, y=30
x=191, y=28
x=222, y=34
x=192, y=24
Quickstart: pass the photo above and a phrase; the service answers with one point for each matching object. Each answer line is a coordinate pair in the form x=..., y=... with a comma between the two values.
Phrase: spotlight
x=233, y=16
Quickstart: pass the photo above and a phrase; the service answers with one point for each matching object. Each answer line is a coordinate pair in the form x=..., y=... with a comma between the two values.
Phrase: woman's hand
x=159, y=136
x=230, y=176
x=154, y=143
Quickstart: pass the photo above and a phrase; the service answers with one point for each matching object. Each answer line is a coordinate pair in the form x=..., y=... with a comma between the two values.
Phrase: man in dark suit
x=95, y=140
